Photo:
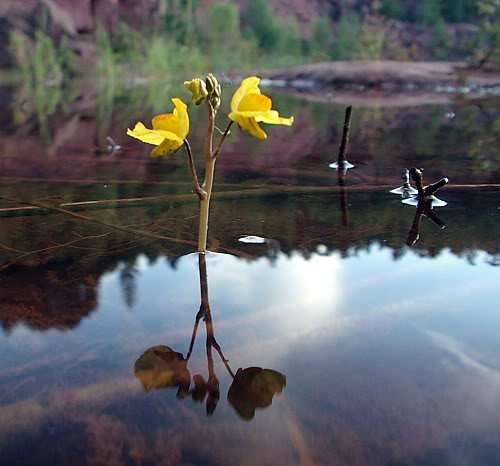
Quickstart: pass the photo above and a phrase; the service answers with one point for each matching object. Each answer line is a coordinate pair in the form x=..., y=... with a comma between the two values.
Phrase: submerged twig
x=49, y=248
x=109, y=225
x=135, y=232
x=252, y=192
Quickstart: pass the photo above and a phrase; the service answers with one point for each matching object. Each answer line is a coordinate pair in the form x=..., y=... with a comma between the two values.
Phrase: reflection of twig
x=49, y=248
x=424, y=207
x=343, y=197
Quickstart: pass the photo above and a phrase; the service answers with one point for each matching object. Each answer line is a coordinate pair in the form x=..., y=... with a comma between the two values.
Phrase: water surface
x=354, y=348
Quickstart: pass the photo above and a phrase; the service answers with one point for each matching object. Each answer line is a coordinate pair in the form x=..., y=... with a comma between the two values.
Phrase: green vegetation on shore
x=195, y=37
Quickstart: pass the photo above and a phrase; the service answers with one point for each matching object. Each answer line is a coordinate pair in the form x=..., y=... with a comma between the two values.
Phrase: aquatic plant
x=169, y=132
x=161, y=367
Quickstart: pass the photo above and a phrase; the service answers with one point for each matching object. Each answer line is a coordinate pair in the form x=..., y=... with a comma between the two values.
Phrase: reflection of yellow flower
x=198, y=88
x=161, y=367
x=169, y=130
x=249, y=108
x=253, y=388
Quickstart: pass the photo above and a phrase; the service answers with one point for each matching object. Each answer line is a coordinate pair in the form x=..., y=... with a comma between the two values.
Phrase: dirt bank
x=395, y=76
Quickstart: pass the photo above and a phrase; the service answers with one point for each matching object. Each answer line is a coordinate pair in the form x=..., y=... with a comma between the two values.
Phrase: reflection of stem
x=207, y=317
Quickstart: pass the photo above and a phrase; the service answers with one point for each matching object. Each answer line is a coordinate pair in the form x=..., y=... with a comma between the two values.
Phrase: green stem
x=205, y=205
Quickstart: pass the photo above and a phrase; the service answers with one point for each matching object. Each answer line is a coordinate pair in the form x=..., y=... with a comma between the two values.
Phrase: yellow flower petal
x=273, y=118
x=166, y=122
x=256, y=130
x=169, y=130
x=181, y=113
x=166, y=147
x=248, y=86
x=151, y=136
x=249, y=108
x=255, y=103
x=249, y=125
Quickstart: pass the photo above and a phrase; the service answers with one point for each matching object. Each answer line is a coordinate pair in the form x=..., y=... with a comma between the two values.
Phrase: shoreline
x=385, y=77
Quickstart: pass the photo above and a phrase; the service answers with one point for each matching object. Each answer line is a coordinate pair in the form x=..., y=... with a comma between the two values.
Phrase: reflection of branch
x=199, y=315
x=49, y=248
x=424, y=207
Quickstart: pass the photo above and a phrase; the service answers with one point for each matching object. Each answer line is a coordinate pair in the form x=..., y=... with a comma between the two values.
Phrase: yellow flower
x=198, y=88
x=249, y=108
x=169, y=130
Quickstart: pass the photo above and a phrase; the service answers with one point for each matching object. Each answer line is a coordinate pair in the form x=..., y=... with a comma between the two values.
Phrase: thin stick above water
x=345, y=135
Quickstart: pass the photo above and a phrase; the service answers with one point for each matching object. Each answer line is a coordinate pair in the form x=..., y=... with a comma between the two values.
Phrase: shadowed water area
x=321, y=338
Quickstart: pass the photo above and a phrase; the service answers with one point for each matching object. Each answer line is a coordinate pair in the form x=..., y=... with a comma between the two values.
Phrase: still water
x=324, y=340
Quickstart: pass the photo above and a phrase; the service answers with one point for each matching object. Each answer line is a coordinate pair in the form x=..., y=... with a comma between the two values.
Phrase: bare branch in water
x=49, y=248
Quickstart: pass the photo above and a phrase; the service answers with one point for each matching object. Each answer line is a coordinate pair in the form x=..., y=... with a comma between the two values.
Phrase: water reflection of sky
x=385, y=361
x=390, y=353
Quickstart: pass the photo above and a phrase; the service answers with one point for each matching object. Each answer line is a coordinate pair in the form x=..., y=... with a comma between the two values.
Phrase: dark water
x=354, y=348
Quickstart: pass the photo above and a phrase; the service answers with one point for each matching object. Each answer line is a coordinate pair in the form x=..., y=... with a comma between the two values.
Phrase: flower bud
x=212, y=84
x=198, y=89
x=214, y=91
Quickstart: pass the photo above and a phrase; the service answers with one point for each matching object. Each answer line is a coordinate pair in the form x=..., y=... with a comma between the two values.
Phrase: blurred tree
x=259, y=16
x=428, y=12
x=440, y=43
x=488, y=43
x=179, y=20
x=289, y=43
x=223, y=33
x=394, y=9
x=346, y=45
x=458, y=11
x=371, y=43
x=321, y=39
